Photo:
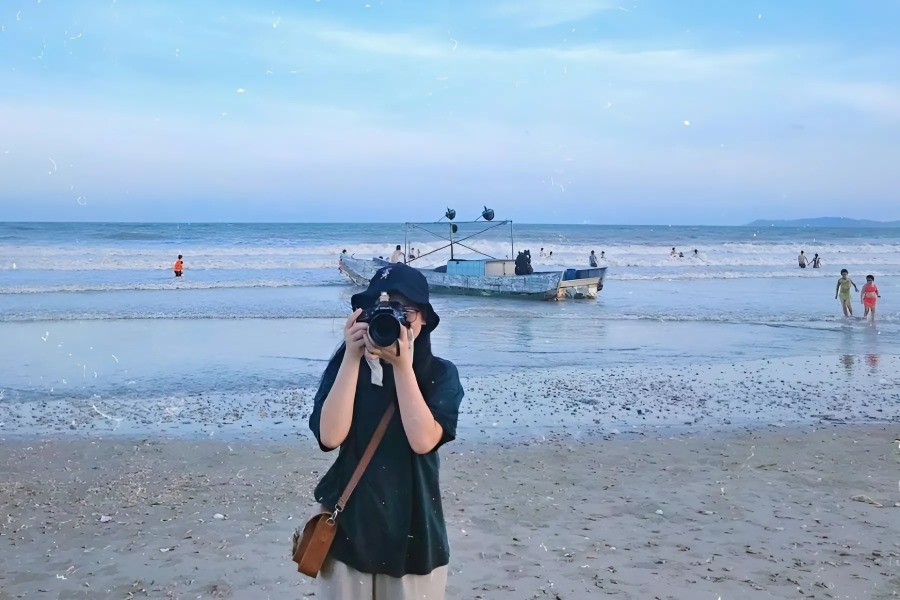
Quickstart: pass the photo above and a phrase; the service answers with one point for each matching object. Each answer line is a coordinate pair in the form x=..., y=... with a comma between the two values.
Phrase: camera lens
x=384, y=329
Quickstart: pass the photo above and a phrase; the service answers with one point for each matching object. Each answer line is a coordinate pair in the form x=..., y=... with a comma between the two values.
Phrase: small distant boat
x=487, y=276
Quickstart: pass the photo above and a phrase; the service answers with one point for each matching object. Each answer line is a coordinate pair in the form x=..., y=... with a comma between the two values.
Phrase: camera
x=386, y=320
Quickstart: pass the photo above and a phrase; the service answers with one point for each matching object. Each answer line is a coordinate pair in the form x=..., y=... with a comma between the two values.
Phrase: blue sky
x=559, y=111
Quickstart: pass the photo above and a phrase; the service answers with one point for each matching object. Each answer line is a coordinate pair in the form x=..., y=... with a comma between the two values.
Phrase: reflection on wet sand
x=848, y=361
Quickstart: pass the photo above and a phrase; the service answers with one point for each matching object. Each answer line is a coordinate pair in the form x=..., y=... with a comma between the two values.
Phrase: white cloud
x=536, y=14
x=649, y=64
x=879, y=100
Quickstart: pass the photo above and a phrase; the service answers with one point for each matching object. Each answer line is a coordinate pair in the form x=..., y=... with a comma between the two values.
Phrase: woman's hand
x=399, y=354
x=355, y=336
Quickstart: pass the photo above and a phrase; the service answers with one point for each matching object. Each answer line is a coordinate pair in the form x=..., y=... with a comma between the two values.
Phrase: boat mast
x=451, y=214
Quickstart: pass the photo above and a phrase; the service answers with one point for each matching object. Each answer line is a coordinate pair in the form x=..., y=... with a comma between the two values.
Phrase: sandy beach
x=799, y=512
x=760, y=479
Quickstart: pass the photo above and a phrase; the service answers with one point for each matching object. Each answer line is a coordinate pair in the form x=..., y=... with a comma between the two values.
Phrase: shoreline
x=780, y=512
x=514, y=406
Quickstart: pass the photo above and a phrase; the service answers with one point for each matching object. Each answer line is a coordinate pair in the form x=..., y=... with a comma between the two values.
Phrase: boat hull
x=578, y=284
x=542, y=286
x=580, y=289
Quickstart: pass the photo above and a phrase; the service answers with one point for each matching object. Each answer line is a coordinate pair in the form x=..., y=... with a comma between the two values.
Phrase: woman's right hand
x=355, y=336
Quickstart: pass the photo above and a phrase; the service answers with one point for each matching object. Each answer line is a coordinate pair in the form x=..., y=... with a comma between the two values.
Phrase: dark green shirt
x=393, y=523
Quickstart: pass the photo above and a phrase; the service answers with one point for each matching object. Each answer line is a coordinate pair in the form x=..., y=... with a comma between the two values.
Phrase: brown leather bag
x=312, y=542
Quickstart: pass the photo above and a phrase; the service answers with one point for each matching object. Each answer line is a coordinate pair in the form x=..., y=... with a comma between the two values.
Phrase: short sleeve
x=445, y=394
x=325, y=385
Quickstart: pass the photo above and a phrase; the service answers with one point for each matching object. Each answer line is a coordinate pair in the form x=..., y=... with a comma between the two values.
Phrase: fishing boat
x=480, y=274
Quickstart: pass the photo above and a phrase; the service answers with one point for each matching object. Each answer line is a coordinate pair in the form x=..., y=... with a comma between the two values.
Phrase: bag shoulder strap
x=365, y=460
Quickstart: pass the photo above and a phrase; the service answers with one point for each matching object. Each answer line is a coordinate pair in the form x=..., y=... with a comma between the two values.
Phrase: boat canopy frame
x=452, y=241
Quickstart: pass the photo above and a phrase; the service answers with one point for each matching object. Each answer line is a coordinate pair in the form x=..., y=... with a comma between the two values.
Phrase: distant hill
x=823, y=222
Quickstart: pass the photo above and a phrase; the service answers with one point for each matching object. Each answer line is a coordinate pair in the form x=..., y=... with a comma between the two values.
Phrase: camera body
x=386, y=320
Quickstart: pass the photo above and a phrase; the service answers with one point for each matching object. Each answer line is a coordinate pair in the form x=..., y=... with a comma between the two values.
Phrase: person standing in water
x=869, y=297
x=178, y=267
x=802, y=260
x=816, y=261
x=842, y=291
x=592, y=259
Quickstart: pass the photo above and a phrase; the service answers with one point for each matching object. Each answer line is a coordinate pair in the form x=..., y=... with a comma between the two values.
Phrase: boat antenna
x=450, y=215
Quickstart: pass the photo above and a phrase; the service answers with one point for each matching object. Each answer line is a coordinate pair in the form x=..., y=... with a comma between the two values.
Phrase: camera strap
x=366, y=459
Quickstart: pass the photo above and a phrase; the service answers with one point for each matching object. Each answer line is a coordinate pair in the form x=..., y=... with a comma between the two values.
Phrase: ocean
x=91, y=311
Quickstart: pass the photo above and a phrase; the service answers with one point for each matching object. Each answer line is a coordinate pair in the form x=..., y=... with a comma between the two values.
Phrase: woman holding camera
x=391, y=540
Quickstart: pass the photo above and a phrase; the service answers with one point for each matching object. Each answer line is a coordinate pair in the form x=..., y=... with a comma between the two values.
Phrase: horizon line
x=754, y=223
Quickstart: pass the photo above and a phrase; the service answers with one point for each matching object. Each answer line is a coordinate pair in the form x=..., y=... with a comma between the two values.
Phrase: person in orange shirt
x=869, y=296
x=178, y=267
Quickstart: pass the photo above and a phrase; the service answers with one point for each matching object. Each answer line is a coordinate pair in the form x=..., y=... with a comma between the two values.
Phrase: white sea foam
x=626, y=262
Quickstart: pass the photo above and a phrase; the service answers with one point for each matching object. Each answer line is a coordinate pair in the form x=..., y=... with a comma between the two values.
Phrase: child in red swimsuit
x=869, y=296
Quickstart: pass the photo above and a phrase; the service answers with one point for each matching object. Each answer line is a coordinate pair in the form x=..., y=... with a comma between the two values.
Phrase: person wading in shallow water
x=391, y=541
x=842, y=291
x=178, y=267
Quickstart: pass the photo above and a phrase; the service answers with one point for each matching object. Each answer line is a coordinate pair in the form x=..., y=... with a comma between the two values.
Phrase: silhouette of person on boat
x=523, y=263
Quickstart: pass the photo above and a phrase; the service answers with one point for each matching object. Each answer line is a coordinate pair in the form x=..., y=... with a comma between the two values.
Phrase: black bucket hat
x=401, y=279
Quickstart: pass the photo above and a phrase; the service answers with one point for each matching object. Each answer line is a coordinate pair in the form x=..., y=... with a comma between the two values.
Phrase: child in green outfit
x=842, y=291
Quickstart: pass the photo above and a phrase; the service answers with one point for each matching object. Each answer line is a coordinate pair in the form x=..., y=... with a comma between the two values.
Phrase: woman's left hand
x=398, y=354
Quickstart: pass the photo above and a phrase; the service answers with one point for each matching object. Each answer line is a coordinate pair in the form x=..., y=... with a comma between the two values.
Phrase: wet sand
x=793, y=512
x=521, y=404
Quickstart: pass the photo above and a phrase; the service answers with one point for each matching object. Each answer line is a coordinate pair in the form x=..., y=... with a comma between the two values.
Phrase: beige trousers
x=337, y=581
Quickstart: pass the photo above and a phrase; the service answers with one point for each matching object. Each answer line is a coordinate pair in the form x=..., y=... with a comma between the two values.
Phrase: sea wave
x=133, y=236
x=255, y=258
x=181, y=284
